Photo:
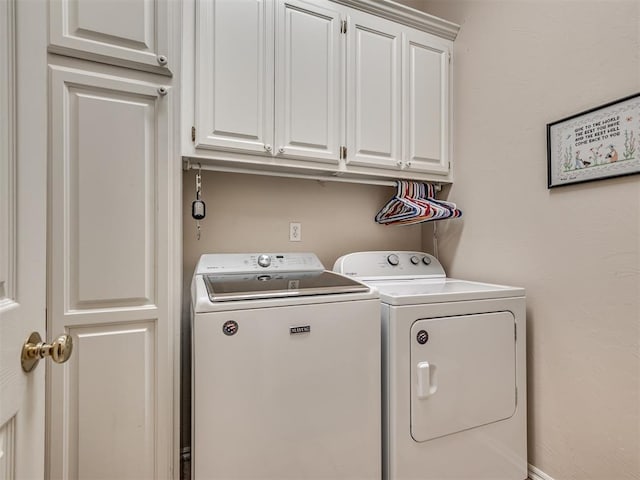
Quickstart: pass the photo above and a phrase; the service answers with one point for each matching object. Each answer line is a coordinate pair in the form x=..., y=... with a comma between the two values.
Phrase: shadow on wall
x=447, y=232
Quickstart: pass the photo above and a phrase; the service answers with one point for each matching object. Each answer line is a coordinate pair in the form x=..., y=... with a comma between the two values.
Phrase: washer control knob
x=415, y=260
x=393, y=259
x=426, y=260
x=264, y=260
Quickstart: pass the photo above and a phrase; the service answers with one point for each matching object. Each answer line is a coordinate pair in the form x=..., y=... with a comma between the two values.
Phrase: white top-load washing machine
x=285, y=370
x=454, y=370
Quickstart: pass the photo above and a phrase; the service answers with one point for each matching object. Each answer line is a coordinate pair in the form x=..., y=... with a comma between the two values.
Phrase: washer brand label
x=302, y=329
x=230, y=328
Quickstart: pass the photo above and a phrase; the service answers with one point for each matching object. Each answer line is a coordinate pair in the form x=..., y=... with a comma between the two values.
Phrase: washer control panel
x=389, y=264
x=229, y=263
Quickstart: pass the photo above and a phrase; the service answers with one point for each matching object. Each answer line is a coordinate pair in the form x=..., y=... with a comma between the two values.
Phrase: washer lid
x=222, y=288
x=437, y=290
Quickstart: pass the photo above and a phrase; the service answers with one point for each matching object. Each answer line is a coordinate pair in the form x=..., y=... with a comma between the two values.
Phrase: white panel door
x=234, y=75
x=129, y=33
x=463, y=373
x=426, y=102
x=22, y=235
x=111, y=405
x=374, y=91
x=309, y=80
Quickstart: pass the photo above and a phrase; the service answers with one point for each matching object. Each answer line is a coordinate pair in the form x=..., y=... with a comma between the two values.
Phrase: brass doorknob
x=34, y=349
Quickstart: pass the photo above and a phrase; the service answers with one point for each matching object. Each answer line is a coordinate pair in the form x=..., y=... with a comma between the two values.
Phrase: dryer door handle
x=427, y=380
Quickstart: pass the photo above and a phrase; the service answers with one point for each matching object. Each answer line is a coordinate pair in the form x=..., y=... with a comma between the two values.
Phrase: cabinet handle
x=163, y=91
x=399, y=163
x=267, y=148
x=281, y=150
x=408, y=164
x=162, y=59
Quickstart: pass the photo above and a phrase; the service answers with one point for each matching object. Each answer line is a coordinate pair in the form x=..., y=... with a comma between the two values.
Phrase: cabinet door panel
x=426, y=102
x=374, y=91
x=121, y=407
x=132, y=34
x=309, y=80
x=109, y=229
x=234, y=75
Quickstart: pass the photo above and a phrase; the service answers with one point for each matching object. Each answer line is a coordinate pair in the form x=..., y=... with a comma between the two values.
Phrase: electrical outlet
x=295, y=232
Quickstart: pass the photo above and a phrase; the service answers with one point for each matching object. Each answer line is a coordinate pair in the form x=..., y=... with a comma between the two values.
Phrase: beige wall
x=518, y=66
x=251, y=213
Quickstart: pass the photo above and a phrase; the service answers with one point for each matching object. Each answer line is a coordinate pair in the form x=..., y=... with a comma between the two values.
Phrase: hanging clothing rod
x=193, y=165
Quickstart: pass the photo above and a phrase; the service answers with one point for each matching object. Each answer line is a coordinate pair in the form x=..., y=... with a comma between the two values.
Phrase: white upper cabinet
x=238, y=106
x=337, y=87
x=374, y=91
x=234, y=75
x=132, y=34
x=309, y=81
x=426, y=118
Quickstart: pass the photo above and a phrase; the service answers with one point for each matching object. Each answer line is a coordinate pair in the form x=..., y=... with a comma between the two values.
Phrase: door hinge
x=193, y=134
x=343, y=26
x=343, y=153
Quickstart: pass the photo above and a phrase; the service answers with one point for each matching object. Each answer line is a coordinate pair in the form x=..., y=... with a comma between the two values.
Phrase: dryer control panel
x=389, y=264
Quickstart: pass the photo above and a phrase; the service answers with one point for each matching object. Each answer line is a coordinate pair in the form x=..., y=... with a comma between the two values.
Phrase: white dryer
x=285, y=370
x=454, y=370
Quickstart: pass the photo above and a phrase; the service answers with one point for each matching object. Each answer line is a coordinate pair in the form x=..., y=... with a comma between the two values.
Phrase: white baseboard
x=537, y=474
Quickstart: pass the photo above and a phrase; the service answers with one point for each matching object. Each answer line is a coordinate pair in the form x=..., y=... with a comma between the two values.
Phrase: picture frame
x=597, y=144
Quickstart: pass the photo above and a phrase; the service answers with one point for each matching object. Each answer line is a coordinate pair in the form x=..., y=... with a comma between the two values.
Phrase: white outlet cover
x=295, y=232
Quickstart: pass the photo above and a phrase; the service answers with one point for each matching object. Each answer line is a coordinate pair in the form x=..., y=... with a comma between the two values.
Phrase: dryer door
x=463, y=373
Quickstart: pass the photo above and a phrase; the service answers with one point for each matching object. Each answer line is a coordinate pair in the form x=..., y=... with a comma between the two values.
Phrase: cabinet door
x=109, y=276
x=234, y=75
x=130, y=34
x=310, y=85
x=426, y=102
x=374, y=91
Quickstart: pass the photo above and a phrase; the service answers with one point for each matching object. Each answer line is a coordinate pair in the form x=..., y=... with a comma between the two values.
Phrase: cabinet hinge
x=343, y=153
x=449, y=55
x=516, y=396
x=343, y=26
x=193, y=134
x=515, y=332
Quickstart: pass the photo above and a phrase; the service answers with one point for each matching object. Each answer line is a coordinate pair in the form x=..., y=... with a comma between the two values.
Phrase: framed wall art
x=600, y=143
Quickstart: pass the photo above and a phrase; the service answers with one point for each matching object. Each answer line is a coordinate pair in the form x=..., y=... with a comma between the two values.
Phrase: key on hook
x=198, y=208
